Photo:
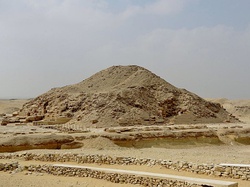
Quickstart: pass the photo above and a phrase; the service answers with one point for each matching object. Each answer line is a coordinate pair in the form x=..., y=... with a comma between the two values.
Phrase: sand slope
x=239, y=108
x=10, y=106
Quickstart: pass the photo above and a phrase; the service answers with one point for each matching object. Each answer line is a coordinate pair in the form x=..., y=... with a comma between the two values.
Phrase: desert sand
x=8, y=106
x=198, y=153
x=37, y=180
x=239, y=108
x=129, y=112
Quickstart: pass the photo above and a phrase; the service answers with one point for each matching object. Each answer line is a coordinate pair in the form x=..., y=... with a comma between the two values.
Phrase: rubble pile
x=125, y=96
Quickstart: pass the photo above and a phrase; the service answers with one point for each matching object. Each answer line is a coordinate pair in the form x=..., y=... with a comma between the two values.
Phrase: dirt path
x=42, y=180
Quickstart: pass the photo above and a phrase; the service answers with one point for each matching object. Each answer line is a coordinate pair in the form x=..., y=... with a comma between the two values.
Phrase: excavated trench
x=174, y=143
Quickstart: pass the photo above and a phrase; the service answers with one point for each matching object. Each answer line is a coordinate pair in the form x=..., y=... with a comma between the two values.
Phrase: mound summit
x=123, y=96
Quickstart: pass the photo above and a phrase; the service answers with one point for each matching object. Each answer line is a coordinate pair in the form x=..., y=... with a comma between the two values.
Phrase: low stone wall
x=80, y=172
x=8, y=166
x=112, y=177
x=207, y=169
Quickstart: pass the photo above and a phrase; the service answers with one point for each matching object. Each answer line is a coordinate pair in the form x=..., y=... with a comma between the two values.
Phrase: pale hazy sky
x=200, y=45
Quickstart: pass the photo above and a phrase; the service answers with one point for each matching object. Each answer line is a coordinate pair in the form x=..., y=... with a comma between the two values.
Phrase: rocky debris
x=121, y=178
x=125, y=96
x=52, y=121
x=25, y=142
x=9, y=166
x=236, y=172
x=112, y=177
x=36, y=119
x=68, y=128
x=20, y=119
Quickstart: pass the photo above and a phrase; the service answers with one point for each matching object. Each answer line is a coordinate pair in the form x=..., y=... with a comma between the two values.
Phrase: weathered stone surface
x=125, y=96
x=9, y=166
x=15, y=113
x=1, y=166
x=34, y=118
x=5, y=122
x=26, y=142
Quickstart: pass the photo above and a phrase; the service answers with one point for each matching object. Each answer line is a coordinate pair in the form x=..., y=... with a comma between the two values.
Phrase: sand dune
x=239, y=108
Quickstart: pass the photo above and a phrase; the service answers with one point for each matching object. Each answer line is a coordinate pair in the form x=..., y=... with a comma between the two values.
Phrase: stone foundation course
x=112, y=177
x=234, y=171
x=133, y=177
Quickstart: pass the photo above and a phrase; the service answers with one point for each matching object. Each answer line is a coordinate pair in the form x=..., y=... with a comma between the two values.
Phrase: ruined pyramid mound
x=123, y=96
